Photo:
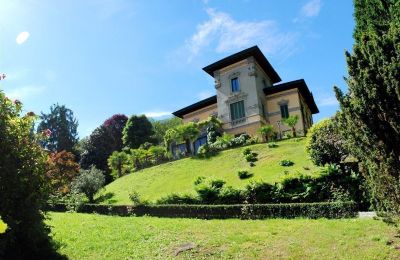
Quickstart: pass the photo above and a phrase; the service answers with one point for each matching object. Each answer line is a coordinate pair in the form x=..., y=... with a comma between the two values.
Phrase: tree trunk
x=188, y=150
x=294, y=131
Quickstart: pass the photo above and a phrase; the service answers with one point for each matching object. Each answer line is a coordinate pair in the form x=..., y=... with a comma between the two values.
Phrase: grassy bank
x=178, y=176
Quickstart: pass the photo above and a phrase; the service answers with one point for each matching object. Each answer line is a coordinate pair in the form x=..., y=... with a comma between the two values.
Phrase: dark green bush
x=244, y=174
x=256, y=211
x=272, y=145
x=246, y=151
x=286, y=163
x=251, y=157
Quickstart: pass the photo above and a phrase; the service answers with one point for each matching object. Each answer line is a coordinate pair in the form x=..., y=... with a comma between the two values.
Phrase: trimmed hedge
x=253, y=211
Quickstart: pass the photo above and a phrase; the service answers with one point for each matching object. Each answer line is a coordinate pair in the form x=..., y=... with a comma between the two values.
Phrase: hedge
x=253, y=211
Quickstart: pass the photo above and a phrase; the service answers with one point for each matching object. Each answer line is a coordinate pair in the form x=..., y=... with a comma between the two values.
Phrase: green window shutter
x=237, y=110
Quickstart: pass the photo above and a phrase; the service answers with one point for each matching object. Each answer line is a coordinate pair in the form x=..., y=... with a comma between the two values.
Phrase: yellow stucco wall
x=251, y=129
x=201, y=114
x=292, y=98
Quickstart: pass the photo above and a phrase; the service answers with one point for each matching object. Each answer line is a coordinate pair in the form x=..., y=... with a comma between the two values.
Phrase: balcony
x=238, y=121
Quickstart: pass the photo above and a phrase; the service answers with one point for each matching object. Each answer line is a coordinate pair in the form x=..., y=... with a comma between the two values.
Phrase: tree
x=114, y=126
x=89, y=182
x=170, y=138
x=370, y=117
x=160, y=127
x=23, y=186
x=118, y=162
x=63, y=126
x=102, y=142
x=266, y=131
x=189, y=133
x=62, y=169
x=324, y=144
x=137, y=131
x=291, y=121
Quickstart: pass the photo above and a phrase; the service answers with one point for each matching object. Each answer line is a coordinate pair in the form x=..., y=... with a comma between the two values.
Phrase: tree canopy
x=370, y=118
x=63, y=129
x=138, y=130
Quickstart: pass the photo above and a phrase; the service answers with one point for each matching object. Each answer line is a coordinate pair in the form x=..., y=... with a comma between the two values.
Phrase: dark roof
x=252, y=51
x=196, y=106
x=301, y=86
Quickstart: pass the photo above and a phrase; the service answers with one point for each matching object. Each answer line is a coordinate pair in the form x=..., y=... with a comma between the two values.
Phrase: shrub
x=89, y=182
x=206, y=151
x=244, y=174
x=257, y=211
x=208, y=190
x=240, y=140
x=324, y=144
x=286, y=163
x=199, y=180
x=230, y=195
x=178, y=199
x=135, y=198
x=260, y=192
x=3, y=227
x=252, y=157
x=61, y=170
x=23, y=185
x=246, y=151
x=266, y=131
x=272, y=145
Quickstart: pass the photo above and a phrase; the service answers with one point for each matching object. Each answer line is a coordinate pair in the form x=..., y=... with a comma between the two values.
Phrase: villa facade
x=248, y=95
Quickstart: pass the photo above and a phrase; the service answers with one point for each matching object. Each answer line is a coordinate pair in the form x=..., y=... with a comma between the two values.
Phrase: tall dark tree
x=370, y=118
x=138, y=130
x=63, y=126
x=102, y=142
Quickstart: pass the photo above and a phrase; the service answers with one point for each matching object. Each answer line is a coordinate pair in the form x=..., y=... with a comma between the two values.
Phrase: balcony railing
x=238, y=121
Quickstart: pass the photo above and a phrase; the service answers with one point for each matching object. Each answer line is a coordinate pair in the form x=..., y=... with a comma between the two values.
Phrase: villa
x=248, y=95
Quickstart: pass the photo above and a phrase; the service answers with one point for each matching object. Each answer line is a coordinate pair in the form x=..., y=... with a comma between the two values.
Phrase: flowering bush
x=23, y=185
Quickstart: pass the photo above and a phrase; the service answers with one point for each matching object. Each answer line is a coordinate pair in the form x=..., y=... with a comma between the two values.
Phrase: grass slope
x=178, y=176
x=90, y=236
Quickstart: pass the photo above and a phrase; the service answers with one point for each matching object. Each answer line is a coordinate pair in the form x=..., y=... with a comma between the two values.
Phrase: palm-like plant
x=291, y=121
x=266, y=131
x=189, y=133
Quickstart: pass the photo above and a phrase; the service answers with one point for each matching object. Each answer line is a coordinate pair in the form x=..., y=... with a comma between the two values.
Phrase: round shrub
x=286, y=163
x=244, y=174
x=324, y=144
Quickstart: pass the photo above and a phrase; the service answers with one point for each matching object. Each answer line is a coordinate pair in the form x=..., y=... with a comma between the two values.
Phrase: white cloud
x=205, y=94
x=22, y=37
x=156, y=114
x=225, y=34
x=328, y=101
x=25, y=92
x=311, y=8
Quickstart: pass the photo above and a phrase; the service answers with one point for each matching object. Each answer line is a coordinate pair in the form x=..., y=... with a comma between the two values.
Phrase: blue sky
x=101, y=57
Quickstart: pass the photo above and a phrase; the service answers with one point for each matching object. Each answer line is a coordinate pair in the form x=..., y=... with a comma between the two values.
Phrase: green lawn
x=90, y=236
x=178, y=176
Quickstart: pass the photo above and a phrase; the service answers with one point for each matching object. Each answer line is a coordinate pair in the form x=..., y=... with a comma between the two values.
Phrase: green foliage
x=243, y=174
x=272, y=145
x=189, y=133
x=89, y=182
x=61, y=171
x=286, y=163
x=324, y=144
x=3, y=226
x=142, y=158
x=266, y=131
x=369, y=118
x=252, y=157
x=209, y=189
x=63, y=126
x=102, y=142
x=258, y=211
x=137, y=131
x=162, y=126
x=291, y=121
x=199, y=180
x=135, y=198
x=206, y=151
x=23, y=185
x=119, y=164
x=246, y=151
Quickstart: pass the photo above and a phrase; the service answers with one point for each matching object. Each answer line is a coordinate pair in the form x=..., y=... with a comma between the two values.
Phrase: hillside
x=178, y=176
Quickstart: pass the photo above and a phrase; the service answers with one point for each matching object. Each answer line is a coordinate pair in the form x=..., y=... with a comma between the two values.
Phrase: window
x=235, y=87
x=284, y=111
x=237, y=110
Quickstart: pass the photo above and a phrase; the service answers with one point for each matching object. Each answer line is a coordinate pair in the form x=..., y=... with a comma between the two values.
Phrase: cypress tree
x=370, y=110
